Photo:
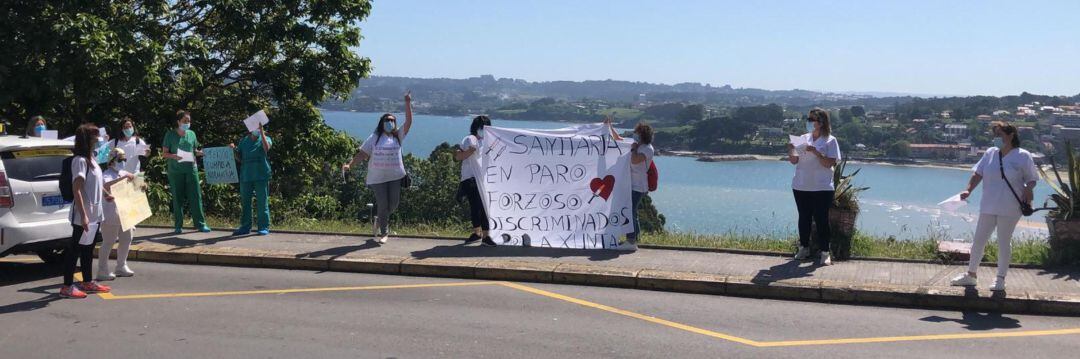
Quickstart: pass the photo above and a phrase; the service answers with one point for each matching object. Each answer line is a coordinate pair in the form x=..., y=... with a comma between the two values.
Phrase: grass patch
x=1024, y=250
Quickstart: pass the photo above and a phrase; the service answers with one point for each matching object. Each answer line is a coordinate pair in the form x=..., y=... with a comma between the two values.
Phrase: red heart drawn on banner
x=603, y=187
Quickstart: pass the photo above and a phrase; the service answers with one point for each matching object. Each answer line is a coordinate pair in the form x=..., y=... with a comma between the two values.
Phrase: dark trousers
x=476, y=205
x=77, y=252
x=814, y=206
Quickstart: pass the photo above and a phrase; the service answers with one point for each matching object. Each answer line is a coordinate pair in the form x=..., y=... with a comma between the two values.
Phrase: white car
x=33, y=215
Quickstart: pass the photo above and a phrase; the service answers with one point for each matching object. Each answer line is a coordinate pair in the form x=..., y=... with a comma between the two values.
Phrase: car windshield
x=34, y=165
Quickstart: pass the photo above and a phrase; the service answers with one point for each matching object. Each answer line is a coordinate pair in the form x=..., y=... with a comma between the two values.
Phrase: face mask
x=120, y=164
x=255, y=133
x=39, y=129
x=998, y=142
x=637, y=138
x=480, y=133
x=128, y=132
x=809, y=126
x=185, y=126
x=388, y=126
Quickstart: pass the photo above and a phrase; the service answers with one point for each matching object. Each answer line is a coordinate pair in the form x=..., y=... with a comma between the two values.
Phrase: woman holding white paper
x=111, y=231
x=134, y=146
x=85, y=216
x=180, y=147
x=641, y=156
x=813, y=187
x=385, y=168
x=1009, y=175
x=253, y=153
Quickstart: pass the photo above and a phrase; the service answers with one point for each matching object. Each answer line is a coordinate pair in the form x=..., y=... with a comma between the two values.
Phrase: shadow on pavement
x=462, y=251
x=788, y=270
x=978, y=321
x=16, y=273
x=1066, y=273
x=173, y=240
x=337, y=252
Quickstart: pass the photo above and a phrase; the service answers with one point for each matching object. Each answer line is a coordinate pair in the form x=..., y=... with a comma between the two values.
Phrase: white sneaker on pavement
x=998, y=285
x=802, y=253
x=826, y=259
x=965, y=280
x=384, y=239
x=123, y=271
x=102, y=277
x=626, y=247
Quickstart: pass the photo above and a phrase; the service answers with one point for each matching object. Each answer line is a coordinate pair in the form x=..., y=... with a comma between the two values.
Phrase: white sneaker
x=998, y=285
x=626, y=247
x=826, y=259
x=105, y=277
x=965, y=280
x=383, y=239
x=123, y=272
x=802, y=253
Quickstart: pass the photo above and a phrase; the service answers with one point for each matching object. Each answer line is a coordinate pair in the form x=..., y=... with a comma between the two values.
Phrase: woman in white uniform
x=1003, y=166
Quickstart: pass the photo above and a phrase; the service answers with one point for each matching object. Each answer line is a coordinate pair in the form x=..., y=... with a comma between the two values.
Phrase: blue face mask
x=480, y=133
x=389, y=126
x=39, y=129
x=998, y=142
x=121, y=164
x=128, y=132
x=809, y=126
x=185, y=126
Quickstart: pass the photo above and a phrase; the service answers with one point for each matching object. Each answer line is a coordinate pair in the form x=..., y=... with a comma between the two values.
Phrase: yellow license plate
x=42, y=152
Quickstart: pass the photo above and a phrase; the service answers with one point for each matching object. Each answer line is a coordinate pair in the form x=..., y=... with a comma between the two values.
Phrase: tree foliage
x=94, y=61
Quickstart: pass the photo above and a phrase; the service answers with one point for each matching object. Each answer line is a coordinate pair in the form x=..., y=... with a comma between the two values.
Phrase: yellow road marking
x=651, y=319
x=21, y=260
x=297, y=290
x=790, y=343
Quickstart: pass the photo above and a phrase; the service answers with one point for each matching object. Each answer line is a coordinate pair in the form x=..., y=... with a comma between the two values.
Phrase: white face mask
x=998, y=142
x=480, y=133
x=809, y=126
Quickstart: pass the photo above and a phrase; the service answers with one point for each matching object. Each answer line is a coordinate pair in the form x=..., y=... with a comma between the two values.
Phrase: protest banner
x=220, y=165
x=563, y=188
x=131, y=203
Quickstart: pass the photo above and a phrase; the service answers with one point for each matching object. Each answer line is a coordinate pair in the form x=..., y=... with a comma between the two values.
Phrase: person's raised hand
x=408, y=96
x=964, y=195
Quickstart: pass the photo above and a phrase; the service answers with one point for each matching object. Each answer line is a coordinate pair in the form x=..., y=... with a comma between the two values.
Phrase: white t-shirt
x=384, y=164
x=810, y=174
x=996, y=197
x=112, y=216
x=639, y=178
x=130, y=147
x=470, y=167
x=91, y=190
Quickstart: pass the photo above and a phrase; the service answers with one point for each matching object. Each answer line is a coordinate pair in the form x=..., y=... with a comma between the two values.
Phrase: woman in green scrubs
x=183, y=176
x=254, y=179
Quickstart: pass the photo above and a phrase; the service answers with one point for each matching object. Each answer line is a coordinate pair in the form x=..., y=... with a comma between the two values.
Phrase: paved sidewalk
x=1042, y=291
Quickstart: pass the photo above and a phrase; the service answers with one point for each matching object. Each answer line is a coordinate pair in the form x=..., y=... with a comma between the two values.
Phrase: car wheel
x=51, y=256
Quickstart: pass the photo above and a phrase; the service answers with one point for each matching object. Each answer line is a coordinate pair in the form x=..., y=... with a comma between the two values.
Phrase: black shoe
x=488, y=242
x=472, y=238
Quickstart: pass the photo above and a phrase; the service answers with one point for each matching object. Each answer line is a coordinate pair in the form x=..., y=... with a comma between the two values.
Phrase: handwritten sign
x=220, y=165
x=131, y=203
x=564, y=188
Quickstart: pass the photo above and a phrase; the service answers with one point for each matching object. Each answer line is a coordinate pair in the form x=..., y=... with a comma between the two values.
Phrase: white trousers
x=110, y=234
x=986, y=226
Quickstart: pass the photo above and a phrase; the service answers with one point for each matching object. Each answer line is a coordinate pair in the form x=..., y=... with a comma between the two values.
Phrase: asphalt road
x=178, y=311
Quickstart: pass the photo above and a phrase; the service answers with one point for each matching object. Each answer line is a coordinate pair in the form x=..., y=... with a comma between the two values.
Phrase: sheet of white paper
x=50, y=134
x=72, y=139
x=142, y=149
x=87, y=237
x=952, y=203
x=185, y=156
x=255, y=120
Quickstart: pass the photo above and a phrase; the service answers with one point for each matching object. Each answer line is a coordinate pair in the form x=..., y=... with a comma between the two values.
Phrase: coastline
x=716, y=157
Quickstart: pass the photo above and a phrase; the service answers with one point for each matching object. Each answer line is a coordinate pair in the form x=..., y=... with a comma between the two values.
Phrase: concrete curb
x=801, y=289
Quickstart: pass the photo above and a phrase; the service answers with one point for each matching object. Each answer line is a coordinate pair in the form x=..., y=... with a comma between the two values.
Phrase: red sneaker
x=69, y=291
x=93, y=287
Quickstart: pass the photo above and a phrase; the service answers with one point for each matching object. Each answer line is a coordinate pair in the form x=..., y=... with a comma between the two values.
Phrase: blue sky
x=922, y=47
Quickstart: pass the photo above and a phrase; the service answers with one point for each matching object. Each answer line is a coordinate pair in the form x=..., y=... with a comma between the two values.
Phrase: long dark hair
x=379, y=128
x=822, y=116
x=479, y=122
x=85, y=138
x=120, y=129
